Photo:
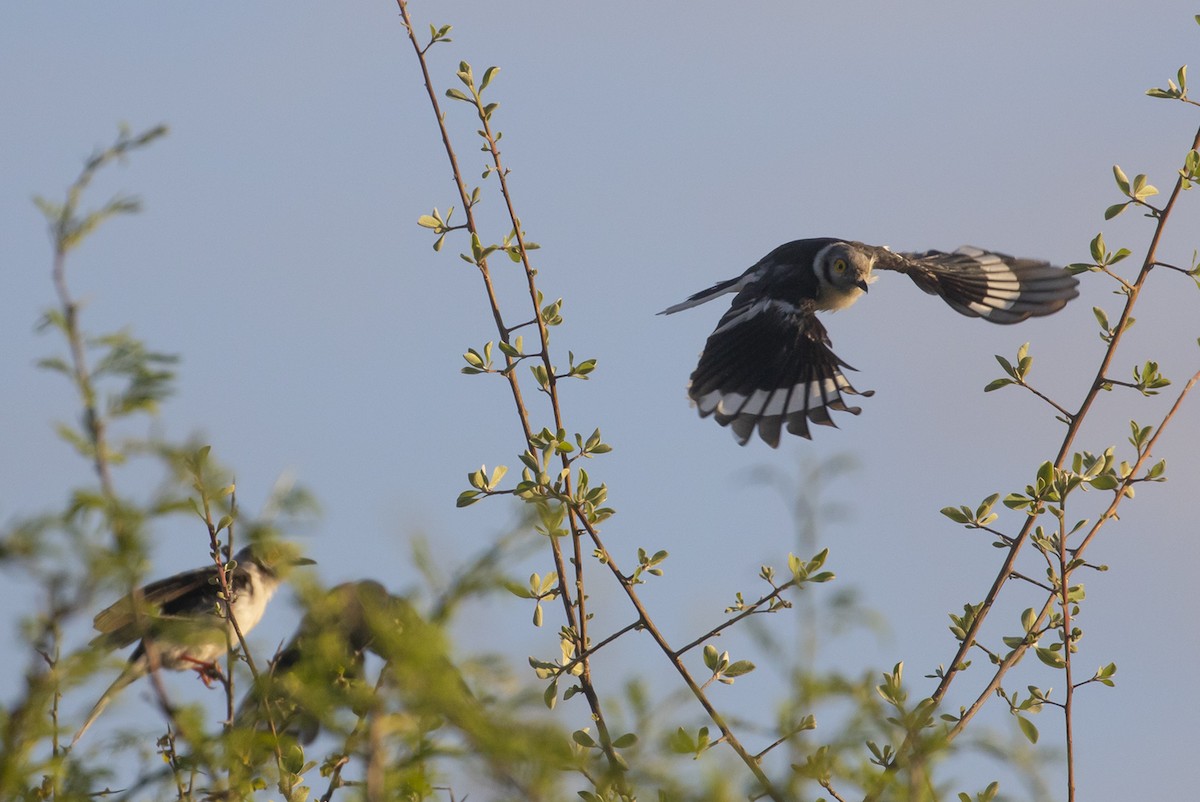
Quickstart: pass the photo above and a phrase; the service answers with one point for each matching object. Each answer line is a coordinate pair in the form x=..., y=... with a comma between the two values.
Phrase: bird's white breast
x=833, y=299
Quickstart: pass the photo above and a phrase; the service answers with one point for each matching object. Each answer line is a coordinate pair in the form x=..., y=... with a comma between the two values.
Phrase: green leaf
x=1122, y=179
x=1028, y=619
x=1141, y=189
x=56, y=364
x=681, y=742
x=487, y=77
x=467, y=498
x=1050, y=658
x=1015, y=501
x=625, y=741
x=473, y=358
x=582, y=738
x=955, y=514
x=1028, y=729
x=739, y=668
x=997, y=384
x=1114, y=210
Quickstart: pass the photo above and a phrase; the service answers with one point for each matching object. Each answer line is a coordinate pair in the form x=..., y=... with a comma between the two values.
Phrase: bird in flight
x=769, y=362
x=179, y=616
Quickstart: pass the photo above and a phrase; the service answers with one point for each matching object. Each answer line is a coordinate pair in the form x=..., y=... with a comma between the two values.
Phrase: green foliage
x=427, y=713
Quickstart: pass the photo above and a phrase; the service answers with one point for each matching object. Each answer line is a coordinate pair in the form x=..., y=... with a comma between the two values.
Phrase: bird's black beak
x=862, y=284
x=303, y=561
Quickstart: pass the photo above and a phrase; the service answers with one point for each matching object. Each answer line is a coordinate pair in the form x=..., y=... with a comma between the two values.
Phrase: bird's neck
x=834, y=298
x=252, y=591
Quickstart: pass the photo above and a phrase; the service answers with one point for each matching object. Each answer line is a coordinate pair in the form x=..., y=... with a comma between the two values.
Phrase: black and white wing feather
x=173, y=596
x=767, y=364
x=994, y=286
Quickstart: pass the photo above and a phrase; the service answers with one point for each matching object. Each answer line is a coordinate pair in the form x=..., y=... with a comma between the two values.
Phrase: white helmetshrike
x=769, y=362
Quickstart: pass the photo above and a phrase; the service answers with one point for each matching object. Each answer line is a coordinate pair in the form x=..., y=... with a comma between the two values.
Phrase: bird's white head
x=843, y=271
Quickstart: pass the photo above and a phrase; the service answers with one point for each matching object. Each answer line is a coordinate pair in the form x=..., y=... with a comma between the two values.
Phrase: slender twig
x=649, y=626
x=591, y=650
x=94, y=420
x=1007, y=662
x=1061, y=410
x=580, y=599
x=574, y=603
x=1125, y=284
x=1074, y=424
x=1119, y=492
x=1030, y=580
x=1073, y=427
x=575, y=623
x=1118, y=496
x=749, y=611
x=1184, y=270
x=829, y=787
x=1064, y=572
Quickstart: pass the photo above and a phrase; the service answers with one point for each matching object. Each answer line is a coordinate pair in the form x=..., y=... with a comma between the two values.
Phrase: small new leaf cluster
x=1103, y=260
x=1137, y=191
x=545, y=487
x=439, y=225
x=1148, y=380
x=1177, y=89
x=685, y=743
x=911, y=721
x=1189, y=174
x=1023, y=708
x=540, y=588
x=1052, y=485
x=467, y=77
x=808, y=571
x=986, y=795
x=1108, y=332
x=802, y=571
x=1016, y=372
x=647, y=564
x=977, y=518
x=584, y=739
x=723, y=670
x=483, y=484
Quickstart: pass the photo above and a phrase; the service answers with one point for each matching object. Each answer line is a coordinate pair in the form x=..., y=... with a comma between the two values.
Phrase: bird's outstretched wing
x=986, y=284
x=769, y=362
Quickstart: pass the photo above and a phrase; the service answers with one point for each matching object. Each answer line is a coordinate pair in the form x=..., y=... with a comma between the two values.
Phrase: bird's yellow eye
x=839, y=266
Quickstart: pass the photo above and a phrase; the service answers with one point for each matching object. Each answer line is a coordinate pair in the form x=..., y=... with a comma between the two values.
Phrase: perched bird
x=179, y=616
x=323, y=661
x=769, y=360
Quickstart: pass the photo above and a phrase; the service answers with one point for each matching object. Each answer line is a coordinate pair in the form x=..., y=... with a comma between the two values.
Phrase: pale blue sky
x=654, y=152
